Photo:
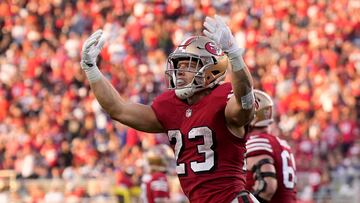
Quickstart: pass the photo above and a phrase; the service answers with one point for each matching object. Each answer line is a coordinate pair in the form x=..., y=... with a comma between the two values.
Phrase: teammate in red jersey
x=155, y=186
x=270, y=163
x=204, y=118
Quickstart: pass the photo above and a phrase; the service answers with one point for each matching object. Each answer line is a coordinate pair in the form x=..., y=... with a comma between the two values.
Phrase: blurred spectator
x=5, y=37
x=54, y=195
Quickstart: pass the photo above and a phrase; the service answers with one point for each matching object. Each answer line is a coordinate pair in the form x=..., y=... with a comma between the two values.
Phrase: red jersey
x=154, y=187
x=209, y=157
x=262, y=143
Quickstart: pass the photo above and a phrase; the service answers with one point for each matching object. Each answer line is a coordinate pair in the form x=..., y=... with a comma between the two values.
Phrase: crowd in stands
x=304, y=53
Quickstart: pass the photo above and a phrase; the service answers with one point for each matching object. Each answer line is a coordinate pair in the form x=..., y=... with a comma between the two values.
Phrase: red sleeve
x=256, y=145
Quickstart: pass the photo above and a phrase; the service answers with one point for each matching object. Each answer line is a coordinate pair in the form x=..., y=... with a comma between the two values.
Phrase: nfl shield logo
x=188, y=113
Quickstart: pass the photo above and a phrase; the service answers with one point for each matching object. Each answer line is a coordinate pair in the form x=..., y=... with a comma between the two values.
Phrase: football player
x=155, y=186
x=205, y=119
x=270, y=164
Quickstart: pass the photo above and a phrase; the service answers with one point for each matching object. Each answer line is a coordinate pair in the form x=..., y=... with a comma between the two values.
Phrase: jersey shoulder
x=165, y=107
x=217, y=99
x=259, y=143
x=165, y=98
x=283, y=143
x=223, y=90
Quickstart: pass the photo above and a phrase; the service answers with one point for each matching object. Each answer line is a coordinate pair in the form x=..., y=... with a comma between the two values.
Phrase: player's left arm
x=239, y=110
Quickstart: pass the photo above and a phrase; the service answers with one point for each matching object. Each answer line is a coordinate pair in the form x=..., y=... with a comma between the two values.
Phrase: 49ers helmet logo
x=213, y=49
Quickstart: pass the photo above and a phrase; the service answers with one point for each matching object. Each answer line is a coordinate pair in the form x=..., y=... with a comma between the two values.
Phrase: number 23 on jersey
x=205, y=149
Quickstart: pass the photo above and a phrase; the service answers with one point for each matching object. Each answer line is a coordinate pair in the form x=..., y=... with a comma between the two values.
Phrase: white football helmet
x=264, y=110
x=211, y=65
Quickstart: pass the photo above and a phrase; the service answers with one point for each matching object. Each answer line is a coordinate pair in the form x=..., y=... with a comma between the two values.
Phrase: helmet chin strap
x=188, y=90
x=185, y=92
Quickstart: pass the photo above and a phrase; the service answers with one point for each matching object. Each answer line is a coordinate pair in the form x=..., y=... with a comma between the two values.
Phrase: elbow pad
x=259, y=176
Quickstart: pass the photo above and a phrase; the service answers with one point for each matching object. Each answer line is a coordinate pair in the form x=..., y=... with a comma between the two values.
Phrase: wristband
x=237, y=64
x=93, y=74
x=247, y=101
x=236, y=60
x=235, y=51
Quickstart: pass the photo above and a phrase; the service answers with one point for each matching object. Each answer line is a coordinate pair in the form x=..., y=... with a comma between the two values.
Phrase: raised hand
x=218, y=31
x=90, y=51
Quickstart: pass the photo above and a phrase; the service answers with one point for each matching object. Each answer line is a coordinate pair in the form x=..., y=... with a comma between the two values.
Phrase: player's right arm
x=137, y=116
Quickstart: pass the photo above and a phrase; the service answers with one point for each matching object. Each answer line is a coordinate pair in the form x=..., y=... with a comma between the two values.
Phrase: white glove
x=90, y=50
x=218, y=31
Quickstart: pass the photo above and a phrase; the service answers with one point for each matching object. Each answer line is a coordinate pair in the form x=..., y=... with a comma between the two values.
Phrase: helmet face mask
x=264, y=110
x=206, y=61
x=193, y=66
